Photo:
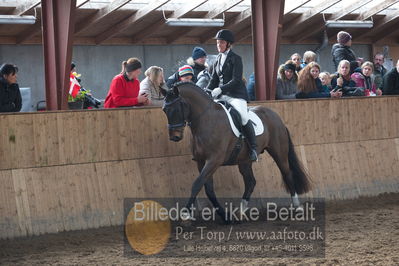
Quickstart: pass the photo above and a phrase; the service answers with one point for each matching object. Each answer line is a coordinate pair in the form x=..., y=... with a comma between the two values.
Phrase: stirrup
x=253, y=156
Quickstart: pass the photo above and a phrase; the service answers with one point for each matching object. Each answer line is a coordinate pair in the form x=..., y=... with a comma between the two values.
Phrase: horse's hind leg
x=281, y=159
x=249, y=181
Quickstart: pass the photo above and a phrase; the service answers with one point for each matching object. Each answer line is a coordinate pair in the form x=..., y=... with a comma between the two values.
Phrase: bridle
x=185, y=117
x=178, y=100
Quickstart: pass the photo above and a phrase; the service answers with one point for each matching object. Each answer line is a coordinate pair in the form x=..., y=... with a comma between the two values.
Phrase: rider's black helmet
x=226, y=35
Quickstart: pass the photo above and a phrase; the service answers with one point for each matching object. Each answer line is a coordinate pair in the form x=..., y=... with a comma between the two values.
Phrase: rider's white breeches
x=240, y=105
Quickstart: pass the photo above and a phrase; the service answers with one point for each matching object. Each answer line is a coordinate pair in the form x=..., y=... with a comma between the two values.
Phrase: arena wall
x=71, y=170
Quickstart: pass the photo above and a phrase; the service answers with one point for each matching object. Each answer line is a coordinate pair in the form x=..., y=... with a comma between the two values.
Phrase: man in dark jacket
x=342, y=50
x=379, y=69
x=10, y=96
x=197, y=62
x=391, y=81
x=227, y=82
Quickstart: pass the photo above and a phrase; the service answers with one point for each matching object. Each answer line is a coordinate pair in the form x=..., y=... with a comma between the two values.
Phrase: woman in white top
x=151, y=85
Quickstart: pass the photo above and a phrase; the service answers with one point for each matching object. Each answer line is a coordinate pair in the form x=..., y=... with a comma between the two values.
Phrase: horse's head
x=176, y=111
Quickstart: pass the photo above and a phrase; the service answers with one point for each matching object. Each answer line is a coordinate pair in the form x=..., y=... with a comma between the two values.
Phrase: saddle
x=235, y=115
x=236, y=126
x=235, y=120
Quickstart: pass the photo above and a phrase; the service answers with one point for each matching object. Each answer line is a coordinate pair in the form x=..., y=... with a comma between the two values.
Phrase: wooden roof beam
x=345, y=10
x=240, y=18
x=244, y=34
x=101, y=13
x=80, y=3
x=176, y=14
x=25, y=7
x=292, y=5
x=378, y=7
x=136, y=17
x=217, y=11
x=390, y=18
x=305, y=17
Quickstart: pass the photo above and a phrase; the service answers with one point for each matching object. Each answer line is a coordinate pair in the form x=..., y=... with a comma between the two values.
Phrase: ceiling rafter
x=217, y=11
x=100, y=14
x=136, y=17
x=389, y=20
x=345, y=10
x=378, y=7
x=176, y=14
x=80, y=3
x=291, y=6
x=25, y=7
x=243, y=34
x=29, y=32
x=300, y=22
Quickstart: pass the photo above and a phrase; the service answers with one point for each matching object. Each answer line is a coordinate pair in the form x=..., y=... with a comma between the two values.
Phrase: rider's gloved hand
x=216, y=92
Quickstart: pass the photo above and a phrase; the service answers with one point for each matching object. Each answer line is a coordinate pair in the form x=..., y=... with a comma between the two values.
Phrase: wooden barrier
x=71, y=170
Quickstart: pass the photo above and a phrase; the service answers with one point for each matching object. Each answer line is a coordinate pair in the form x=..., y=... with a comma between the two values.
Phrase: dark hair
x=130, y=65
x=7, y=69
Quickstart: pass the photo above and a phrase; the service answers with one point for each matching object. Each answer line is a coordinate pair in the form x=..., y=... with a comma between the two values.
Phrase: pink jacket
x=361, y=82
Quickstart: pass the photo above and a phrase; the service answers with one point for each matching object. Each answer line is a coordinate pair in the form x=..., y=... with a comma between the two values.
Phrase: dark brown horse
x=213, y=142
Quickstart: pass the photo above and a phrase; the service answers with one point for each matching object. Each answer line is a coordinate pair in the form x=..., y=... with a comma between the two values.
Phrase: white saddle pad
x=258, y=125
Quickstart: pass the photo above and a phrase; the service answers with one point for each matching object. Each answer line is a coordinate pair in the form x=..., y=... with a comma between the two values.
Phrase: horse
x=213, y=141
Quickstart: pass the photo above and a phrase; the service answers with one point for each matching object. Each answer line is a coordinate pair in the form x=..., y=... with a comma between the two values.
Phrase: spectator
x=309, y=84
x=251, y=87
x=125, y=87
x=296, y=58
x=342, y=51
x=10, y=95
x=391, y=81
x=152, y=85
x=325, y=79
x=365, y=79
x=308, y=57
x=287, y=81
x=185, y=73
x=342, y=79
x=204, y=77
x=379, y=69
x=197, y=62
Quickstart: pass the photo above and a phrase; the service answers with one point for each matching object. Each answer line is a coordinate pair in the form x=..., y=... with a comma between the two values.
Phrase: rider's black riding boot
x=249, y=133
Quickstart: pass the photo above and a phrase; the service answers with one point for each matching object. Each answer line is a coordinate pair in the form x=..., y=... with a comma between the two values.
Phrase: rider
x=227, y=81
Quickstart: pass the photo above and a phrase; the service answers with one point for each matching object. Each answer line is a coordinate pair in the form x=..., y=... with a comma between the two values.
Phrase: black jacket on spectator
x=230, y=78
x=391, y=82
x=197, y=69
x=172, y=80
x=341, y=52
x=10, y=97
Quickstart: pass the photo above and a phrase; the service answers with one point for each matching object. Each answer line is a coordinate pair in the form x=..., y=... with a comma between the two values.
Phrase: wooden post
x=267, y=19
x=57, y=27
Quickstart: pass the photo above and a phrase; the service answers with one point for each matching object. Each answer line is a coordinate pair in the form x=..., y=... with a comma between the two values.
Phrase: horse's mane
x=184, y=84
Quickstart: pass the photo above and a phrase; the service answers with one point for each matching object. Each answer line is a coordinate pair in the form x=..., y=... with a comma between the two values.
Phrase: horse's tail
x=299, y=175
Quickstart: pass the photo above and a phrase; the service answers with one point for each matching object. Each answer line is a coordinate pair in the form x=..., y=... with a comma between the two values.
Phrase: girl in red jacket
x=125, y=87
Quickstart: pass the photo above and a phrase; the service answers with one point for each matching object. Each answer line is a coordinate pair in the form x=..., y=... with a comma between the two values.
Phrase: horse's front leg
x=206, y=172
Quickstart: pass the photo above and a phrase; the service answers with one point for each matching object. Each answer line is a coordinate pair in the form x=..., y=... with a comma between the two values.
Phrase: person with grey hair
x=391, y=81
